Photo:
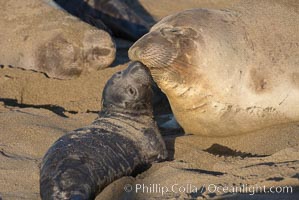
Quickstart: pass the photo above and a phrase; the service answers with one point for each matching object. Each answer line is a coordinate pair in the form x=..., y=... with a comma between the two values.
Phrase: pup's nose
x=137, y=67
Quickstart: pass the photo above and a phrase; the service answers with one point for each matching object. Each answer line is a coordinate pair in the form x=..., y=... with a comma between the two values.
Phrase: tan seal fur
x=36, y=36
x=227, y=72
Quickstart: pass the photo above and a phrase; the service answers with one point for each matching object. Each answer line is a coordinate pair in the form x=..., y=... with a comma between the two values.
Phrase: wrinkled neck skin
x=143, y=114
x=139, y=126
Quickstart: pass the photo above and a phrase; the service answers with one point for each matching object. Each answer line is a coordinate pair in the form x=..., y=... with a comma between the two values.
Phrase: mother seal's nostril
x=134, y=52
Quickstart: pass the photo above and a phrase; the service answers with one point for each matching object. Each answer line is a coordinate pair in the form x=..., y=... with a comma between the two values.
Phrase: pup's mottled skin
x=83, y=162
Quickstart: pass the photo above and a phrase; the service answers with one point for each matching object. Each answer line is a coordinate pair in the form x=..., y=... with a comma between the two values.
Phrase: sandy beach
x=36, y=110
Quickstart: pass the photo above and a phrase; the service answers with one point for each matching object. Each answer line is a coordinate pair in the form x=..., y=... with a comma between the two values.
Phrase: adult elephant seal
x=116, y=16
x=227, y=72
x=124, y=137
x=36, y=36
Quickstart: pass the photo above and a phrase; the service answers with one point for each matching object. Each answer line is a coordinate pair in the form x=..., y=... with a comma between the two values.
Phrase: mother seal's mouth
x=138, y=54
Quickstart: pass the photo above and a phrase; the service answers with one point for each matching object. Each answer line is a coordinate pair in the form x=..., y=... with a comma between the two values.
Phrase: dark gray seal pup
x=123, y=138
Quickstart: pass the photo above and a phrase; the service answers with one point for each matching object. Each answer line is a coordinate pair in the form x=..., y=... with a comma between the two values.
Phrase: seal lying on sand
x=227, y=72
x=36, y=36
x=113, y=15
x=124, y=137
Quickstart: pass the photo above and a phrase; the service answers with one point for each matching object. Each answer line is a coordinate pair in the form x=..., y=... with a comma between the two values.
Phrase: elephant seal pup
x=124, y=137
x=227, y=72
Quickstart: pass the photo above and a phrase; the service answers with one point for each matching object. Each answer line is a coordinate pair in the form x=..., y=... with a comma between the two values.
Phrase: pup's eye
x=132, y=91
